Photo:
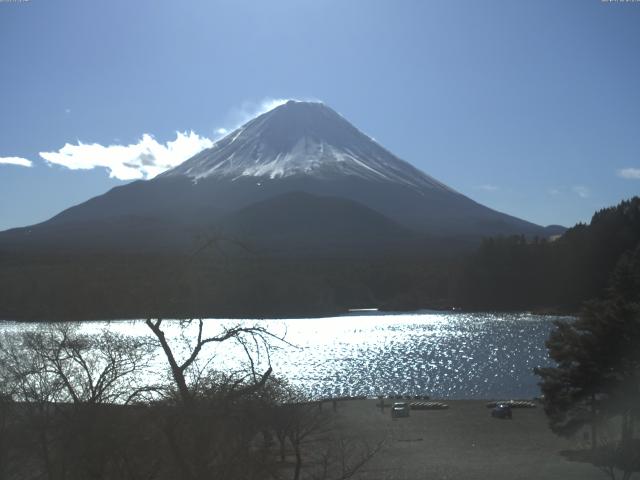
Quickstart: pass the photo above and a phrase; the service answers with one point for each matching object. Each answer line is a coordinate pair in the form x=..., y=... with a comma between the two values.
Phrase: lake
x=442, y=354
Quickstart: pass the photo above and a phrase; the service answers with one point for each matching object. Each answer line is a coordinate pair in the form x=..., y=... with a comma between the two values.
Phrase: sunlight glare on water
x=442, y=354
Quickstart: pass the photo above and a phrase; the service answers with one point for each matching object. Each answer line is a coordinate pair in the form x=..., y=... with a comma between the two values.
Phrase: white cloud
x=629, y=173
x=22, y=162
x=148, y=158
x=581, y=191
x=142, y=160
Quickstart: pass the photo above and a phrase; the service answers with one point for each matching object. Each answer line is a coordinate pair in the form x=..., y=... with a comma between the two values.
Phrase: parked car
x=400, y=409
x=502, y=410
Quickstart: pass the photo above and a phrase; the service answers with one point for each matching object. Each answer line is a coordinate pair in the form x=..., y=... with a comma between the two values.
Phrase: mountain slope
x=298, y=147
x=300, y=223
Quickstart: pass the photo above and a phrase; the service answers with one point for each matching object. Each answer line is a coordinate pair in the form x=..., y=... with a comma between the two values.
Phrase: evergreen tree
x=597, y=376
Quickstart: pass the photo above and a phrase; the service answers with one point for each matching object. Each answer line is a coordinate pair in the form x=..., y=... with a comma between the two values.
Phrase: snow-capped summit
x=302, y=139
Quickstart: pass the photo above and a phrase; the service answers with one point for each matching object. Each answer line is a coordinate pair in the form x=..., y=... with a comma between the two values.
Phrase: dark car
x=502, y=410
x=400, y=409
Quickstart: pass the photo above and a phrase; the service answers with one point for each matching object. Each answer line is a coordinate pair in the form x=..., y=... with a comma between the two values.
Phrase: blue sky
x=529, y=107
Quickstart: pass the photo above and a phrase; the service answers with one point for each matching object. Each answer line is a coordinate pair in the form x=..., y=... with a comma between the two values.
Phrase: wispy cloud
x=271, y=103
x=248, y=110
x=487, y=187
x=22, y=162
x=581, y=191
x=629, y=173
x=142, y=160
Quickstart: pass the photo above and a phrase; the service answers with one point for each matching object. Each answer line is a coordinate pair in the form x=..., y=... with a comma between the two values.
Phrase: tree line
x=595, y=384
x=502, y=273
x=516, y=273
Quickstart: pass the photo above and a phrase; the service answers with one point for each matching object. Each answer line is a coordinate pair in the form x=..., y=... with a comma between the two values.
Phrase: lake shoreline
x=543, y=312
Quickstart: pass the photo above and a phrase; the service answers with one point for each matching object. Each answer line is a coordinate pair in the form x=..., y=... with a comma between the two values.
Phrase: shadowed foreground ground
x=461, y=443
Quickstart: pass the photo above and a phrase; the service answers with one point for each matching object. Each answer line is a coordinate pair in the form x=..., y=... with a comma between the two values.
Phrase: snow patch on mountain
x=302, y=139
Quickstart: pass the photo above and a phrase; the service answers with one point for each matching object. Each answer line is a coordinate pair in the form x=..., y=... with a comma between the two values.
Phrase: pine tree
x=597, y=376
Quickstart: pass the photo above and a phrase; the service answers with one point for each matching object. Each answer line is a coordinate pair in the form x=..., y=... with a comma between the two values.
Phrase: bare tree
x=209, y=429
x=81, y=410
x=67, y=385
x=344, y=457
x=89, y=369
x=257, y=335
x=317, y=442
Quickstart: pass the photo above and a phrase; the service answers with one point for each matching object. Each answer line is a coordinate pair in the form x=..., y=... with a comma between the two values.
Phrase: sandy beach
x=462, y=442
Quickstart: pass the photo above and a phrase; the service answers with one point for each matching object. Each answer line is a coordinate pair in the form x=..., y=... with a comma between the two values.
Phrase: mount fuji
x=299, y=178
x=302, y=139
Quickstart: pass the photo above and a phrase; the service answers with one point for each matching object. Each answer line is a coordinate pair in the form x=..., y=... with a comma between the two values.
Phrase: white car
x=400, y=409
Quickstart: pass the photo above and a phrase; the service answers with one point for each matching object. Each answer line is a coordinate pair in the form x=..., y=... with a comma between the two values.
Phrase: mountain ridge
x=296, y=147
x=301, y=138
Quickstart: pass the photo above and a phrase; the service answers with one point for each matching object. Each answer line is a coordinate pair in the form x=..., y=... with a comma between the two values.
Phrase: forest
x=516, y=273
x=502, y=273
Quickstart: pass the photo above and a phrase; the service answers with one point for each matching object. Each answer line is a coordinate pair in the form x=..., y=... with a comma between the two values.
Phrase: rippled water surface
x=446, y=355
